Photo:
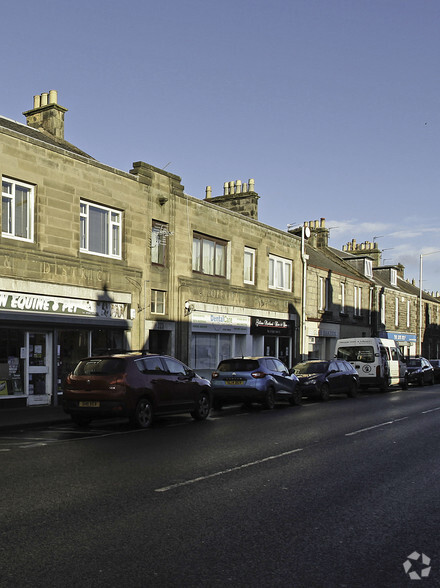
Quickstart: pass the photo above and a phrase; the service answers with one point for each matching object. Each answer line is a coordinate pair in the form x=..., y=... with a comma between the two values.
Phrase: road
x=334, y=494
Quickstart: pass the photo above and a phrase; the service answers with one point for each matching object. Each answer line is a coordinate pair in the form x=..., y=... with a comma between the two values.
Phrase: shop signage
x=219, y=323
x=59, y=305
x=400, y=337
x=270, y=326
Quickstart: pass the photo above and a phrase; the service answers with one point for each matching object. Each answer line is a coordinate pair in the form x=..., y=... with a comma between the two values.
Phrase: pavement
x=17, y=418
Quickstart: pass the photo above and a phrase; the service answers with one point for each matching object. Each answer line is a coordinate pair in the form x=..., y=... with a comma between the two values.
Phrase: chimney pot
x=37, y=101
x=44, y=97
x=225, y=189
x=251, y=185
x=53, y=96
x=208, y=192
x=238, y=187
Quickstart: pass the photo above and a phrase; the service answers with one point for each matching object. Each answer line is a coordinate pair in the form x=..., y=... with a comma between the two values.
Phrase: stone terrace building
x=94, y=258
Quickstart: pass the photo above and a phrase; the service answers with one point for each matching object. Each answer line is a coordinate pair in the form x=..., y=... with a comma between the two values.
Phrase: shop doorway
x=38, y=368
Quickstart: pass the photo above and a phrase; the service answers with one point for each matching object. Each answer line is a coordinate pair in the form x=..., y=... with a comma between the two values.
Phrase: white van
x=378, y=362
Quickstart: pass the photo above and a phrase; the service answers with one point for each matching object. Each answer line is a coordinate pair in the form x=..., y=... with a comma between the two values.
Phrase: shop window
x=280, y=273
x=101, y=231
x=159, y=236
x=209, y=255
x=17, y=210
x=11, y=363
x=249, y=266
x=158, y=301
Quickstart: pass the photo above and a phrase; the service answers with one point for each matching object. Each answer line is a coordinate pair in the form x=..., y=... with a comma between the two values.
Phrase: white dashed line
x=227, y=471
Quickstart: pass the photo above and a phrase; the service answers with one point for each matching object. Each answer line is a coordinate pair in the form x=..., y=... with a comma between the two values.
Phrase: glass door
x=38, y=368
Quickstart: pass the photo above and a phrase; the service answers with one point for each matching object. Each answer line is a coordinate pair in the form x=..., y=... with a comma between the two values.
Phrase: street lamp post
x=421, y=298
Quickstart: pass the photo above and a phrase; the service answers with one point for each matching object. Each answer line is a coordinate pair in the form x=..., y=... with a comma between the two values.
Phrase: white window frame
x=368, y=268
x=393, y=277
x=323, y=290
x=249, y=268
x=158, y=302
x=382, y=309
x=209, y=255
x=159, y=235
x=114, y=225
x=9, y=207
x=343, y=297
x=408, y=314
x=357, y=304
x=396, y=311
x=280, y=273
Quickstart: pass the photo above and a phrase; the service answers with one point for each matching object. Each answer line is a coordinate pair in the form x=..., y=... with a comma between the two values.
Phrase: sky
x=331, y=106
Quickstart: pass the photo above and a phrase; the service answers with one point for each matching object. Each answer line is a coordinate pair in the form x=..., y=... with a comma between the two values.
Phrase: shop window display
x=11, y=363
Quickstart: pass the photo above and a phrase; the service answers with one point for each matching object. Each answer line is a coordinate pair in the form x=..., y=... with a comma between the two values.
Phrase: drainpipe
x=305, y=234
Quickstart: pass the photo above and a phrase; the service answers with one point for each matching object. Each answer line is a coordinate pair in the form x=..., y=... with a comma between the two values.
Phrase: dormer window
x=368, y=268
x=393, y=277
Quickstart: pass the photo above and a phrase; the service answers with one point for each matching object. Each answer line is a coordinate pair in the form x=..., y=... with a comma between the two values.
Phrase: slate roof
x=47, y=138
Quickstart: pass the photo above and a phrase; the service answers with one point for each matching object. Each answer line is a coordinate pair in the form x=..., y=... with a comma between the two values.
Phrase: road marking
x=227, y=471
x=432, y=410
x=374, y=427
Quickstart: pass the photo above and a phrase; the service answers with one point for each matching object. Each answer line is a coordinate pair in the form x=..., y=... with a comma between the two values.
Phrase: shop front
x=321, y=340
x=274, y=337
x=43, y=337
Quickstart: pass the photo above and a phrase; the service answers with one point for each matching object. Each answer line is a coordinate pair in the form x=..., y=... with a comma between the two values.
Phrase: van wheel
x=385, y=387
x=143, y=414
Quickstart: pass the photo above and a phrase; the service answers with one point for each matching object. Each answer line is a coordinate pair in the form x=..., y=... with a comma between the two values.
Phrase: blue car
x=254, y=379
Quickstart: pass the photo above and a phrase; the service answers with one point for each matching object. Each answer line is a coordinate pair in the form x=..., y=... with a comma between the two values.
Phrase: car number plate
x=89, y=404
x=234, y=382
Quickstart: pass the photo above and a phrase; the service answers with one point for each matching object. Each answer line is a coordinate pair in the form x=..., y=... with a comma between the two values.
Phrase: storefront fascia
x=322, y=339
x=406, y=341
x=215, y=336
x=42, y=337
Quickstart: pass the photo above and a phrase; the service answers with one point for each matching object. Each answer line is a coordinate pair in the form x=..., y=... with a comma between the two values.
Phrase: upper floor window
x=100, y=230
x=17, y=210
x=357, y=302
x=342, y=297
x=323, y=292
x=159, y=235
x=396, y=311
x=280, y=273
x=209, y=255
x=158, y=301
x=368, y=268
x=249, y=266
x=393, y=277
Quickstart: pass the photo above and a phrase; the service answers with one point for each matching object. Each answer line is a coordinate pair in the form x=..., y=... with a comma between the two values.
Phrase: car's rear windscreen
x=238, y=365
x=100, y=366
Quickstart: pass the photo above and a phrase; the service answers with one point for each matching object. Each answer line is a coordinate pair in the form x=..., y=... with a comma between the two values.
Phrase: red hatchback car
x=136, y=385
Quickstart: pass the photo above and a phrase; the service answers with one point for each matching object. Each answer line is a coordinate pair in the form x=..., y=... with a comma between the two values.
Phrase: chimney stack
x=47, y=115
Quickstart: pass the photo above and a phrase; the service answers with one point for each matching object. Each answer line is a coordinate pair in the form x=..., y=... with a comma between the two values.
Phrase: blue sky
x=332, y=106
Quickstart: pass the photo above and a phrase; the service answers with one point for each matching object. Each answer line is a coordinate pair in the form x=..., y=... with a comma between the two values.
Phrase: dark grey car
x=320, y=378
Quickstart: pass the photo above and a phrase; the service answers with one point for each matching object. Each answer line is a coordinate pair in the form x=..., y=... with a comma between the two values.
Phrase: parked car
x=254, y=379
x=320, y=378
x=420, y=371
x=136, y=385
x=436, y=365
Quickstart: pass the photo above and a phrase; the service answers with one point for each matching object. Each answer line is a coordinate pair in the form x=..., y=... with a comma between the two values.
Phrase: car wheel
x=296, y=398
x=80, y=420
x=421, y=381
x=353, y=390
x=325, y=393
x=203, y=407
x=143, y=414
x=432, y=381
x=269, y=400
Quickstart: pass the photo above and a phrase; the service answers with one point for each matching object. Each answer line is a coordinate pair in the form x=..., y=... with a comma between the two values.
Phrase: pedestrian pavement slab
x=14, y=418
